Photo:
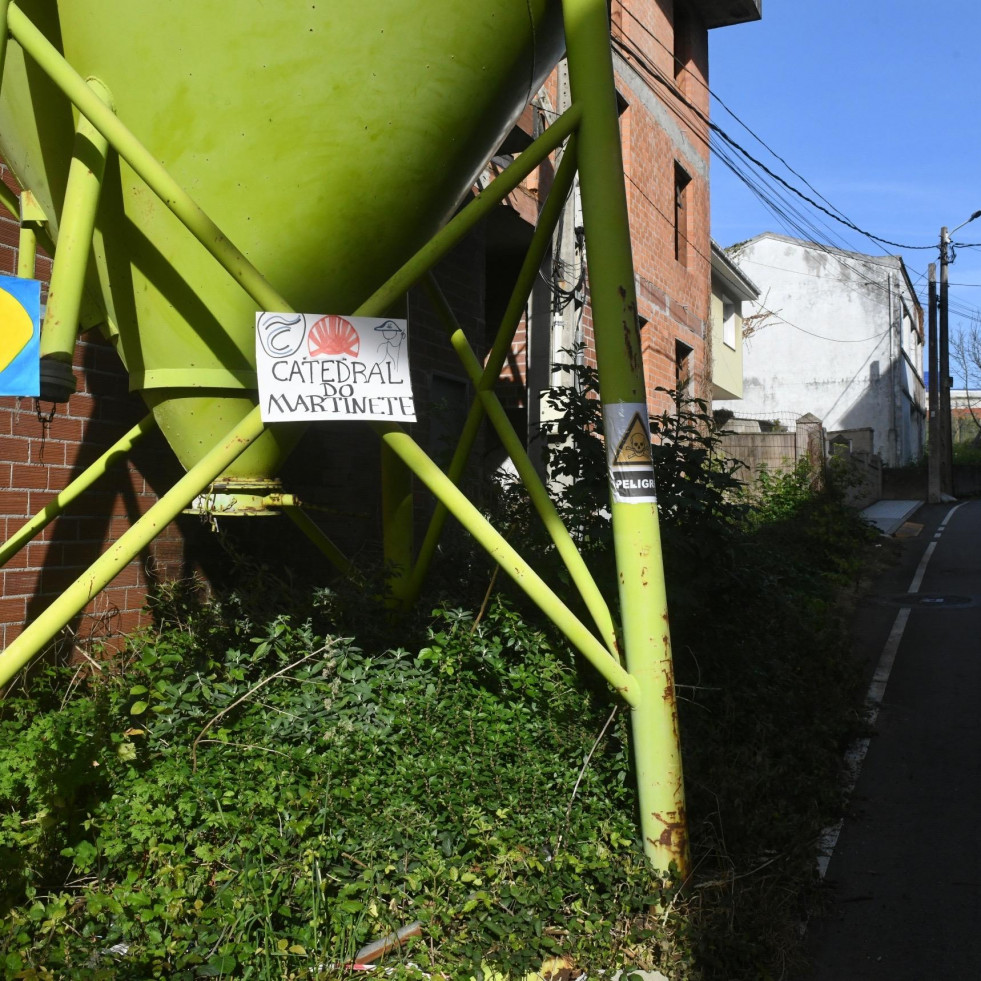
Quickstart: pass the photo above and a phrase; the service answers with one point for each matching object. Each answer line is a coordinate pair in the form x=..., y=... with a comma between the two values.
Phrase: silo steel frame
x=637, y=662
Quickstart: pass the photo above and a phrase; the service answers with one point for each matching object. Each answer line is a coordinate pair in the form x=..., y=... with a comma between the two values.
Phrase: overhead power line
x=800, y=213
x=834, y=215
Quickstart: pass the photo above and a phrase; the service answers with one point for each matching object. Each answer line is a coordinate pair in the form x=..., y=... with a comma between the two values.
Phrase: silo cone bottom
x=242, y=498
x=195, y=420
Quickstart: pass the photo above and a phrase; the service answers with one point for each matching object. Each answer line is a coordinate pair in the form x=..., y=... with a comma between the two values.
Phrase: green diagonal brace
x=510, y=561
x=463, y=222
x=121, y=552
x=118, y=451
x=527, y=275
x=557, y=531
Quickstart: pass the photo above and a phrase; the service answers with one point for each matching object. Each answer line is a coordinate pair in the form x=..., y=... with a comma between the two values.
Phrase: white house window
x=729, y=323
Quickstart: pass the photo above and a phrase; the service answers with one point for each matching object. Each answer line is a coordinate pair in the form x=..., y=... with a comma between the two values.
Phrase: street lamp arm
x=977, y=214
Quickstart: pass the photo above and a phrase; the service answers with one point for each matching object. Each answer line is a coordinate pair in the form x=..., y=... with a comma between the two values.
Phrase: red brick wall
x=673, y=298
x=38, y=460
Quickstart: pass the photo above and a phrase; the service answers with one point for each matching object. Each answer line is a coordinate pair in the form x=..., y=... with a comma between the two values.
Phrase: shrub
x=268, y=804
x=266, y=782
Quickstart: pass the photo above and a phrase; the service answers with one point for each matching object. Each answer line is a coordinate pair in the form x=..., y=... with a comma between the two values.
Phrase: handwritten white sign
x=324, y=367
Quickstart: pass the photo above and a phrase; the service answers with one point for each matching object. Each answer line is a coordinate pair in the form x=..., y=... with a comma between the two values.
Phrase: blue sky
x=877, y=106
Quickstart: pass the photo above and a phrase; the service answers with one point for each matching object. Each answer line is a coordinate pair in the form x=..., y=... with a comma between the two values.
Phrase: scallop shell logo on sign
x=20, y=336
x=323, y=367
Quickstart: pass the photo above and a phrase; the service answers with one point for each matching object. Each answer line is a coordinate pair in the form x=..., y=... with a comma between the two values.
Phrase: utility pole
x=946, y=443
x=933, y=474
x=946, y=449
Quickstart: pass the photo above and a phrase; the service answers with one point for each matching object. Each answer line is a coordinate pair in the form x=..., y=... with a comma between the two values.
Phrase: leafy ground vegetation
x=267, y=782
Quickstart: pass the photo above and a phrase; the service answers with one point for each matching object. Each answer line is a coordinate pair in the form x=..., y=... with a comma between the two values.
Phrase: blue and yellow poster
x=20, y=336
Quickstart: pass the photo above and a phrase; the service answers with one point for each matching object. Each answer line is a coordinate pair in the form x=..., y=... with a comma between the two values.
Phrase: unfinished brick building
x=661, y=55
x=661, y=59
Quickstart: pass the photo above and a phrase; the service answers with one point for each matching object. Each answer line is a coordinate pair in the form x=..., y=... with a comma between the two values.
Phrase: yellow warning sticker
x=635, y=445
x=629, y=458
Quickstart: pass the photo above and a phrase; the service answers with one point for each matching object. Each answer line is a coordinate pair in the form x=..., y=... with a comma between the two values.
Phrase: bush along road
x=272, y=780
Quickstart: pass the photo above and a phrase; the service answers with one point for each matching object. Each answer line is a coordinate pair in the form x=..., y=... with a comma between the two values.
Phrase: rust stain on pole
x=673, y=830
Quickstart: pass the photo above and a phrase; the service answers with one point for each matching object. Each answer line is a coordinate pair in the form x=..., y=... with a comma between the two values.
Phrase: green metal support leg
x=31, y=219
x=647, y=644
x=120, y=553
x=397, y=521
x=393, y=289
x=118, y=451
x=61, y=316
x=510, y=561
x=495, y=360
x=4, y=5
x=537, y=492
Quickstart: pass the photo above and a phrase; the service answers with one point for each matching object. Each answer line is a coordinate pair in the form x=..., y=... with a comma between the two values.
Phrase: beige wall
x=727, y=363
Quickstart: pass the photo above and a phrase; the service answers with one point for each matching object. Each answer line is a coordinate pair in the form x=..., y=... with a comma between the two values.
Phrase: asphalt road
x=905, y=873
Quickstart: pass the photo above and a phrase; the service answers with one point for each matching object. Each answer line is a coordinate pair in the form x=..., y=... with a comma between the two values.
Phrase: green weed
x=270, y=780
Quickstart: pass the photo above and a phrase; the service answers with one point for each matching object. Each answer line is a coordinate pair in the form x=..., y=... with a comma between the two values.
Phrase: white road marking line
x=877, y=690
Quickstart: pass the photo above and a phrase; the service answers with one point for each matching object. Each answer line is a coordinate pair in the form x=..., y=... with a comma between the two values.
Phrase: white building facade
x=836, y=334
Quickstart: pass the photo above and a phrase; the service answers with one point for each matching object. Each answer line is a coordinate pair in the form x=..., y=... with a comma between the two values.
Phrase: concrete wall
x=860, y=471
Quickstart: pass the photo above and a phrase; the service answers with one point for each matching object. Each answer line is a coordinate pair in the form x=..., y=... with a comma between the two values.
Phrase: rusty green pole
x=636, y=535
x=397, y=521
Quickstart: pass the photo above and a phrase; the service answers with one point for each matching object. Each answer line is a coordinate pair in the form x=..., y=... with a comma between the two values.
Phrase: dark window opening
x=683, y=365
x=682, y=46
x=681, y=182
